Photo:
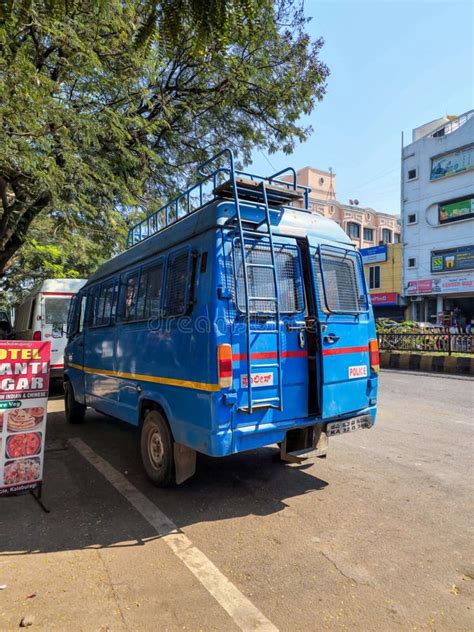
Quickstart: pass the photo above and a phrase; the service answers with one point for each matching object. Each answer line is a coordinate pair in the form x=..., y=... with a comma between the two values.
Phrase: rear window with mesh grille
x=342, y=290
x=261, y=280
x=176, y=283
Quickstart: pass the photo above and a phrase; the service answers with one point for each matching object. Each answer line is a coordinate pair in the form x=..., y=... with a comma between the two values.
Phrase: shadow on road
x=87, y=512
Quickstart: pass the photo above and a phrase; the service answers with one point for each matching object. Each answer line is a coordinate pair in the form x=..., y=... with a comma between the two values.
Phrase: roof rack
x=222, y=183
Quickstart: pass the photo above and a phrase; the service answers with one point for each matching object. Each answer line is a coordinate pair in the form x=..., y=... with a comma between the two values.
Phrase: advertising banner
x=446, y=285
x=453, y=259
x=24, y=382
x=454, y=162
x=452, y=211
x=384, y=298
x=375, y=254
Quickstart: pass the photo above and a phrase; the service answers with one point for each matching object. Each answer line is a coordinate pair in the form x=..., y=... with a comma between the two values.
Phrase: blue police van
x=235, y=319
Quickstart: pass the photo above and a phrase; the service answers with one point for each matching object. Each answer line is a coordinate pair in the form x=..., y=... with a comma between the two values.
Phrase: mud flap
x=184, y=462
x=304, y=443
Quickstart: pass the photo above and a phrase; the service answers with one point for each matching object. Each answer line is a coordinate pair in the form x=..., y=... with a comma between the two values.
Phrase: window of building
x=412, y=175
x=176, y=284
x=411, y=218
x=386, y=236
x=374, y=277
x=412, y=262
x=368, y=234
x=396, y=238
x=353, y=230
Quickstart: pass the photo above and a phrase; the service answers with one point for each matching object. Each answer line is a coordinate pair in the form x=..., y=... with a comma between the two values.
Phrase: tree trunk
x=13, y=232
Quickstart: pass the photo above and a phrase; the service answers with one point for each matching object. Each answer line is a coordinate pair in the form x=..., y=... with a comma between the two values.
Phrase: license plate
x=348, y=425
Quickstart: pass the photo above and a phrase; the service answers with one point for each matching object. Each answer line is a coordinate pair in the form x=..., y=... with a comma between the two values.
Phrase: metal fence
x=445, y=342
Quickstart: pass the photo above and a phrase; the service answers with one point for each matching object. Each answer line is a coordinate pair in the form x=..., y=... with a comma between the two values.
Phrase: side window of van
x=149, y=292
x=32, y=314
x=176, y=284
x=130, y=294
x=82, y=313
x=103, y=303
x=92, y=305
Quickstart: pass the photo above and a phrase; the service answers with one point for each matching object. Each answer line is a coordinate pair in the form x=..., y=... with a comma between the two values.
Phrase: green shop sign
x=456, y=210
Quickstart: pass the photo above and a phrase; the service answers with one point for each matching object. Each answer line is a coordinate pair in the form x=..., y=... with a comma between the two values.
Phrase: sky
x=395, y=64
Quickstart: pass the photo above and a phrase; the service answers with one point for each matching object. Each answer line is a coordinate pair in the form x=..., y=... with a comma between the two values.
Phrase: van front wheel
x=156, y=446
x=74, y=410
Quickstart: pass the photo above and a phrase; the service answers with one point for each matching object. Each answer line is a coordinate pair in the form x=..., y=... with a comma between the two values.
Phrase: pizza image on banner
x=24, y=384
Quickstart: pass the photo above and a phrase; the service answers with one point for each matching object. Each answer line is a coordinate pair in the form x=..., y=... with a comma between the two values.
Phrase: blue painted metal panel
x=347, y=383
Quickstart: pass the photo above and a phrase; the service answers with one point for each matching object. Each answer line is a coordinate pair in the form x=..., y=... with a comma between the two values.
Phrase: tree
x=106, y=106
x=57, y=248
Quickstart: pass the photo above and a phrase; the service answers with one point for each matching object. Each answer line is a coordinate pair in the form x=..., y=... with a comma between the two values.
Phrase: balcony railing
x=453, y=125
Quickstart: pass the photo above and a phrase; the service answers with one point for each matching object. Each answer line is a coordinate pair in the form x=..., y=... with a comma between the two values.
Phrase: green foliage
x=387, y=326
x=107, y=106
x=55, y=249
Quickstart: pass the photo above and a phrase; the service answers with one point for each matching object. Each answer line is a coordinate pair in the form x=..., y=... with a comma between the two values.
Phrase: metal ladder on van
x=247, y=237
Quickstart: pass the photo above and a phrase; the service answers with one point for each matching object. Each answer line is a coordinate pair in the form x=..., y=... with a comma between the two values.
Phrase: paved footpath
x=378, y=537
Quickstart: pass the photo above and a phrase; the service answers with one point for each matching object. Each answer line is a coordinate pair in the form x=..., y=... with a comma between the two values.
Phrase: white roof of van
x=61, y=285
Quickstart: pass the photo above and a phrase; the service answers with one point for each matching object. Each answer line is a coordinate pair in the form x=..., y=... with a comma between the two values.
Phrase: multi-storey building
x=438, y=220
x=383, y=272
x=365, y=226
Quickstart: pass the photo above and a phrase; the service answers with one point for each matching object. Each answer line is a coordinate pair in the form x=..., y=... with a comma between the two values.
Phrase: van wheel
x=156, y=446
x=74, y=410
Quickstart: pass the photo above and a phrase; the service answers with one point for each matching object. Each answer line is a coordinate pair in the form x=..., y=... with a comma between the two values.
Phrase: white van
x=43, y=316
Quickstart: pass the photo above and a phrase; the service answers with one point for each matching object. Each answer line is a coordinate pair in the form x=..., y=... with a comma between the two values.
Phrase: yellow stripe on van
x=200, y=386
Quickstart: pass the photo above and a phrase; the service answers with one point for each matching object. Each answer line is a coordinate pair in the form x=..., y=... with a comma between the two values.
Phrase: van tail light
x=224, y=365
x=374, y=356
x=37, y=335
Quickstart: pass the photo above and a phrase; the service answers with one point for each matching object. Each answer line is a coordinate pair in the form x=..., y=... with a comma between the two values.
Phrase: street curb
x=426, y=363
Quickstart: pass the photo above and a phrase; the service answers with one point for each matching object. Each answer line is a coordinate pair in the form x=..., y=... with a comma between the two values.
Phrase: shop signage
x=384, y=298
x=453, y=211
x=453, y=259
x=24, y=382
x=446, y=285
x=375, y=254
x=452, y=163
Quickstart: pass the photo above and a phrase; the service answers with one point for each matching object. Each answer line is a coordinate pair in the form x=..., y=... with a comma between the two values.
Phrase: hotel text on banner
x=24, y=382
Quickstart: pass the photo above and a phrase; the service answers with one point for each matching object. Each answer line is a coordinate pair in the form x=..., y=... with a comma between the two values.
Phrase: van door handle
x=331, y=338
x=295, y=326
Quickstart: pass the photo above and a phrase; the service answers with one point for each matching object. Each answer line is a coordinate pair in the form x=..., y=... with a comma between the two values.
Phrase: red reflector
x=37, y=335
x=374, y=355
x=224, y=365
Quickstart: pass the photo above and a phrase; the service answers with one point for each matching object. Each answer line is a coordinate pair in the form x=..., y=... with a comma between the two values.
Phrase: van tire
x=156, y=445
x=74, y=410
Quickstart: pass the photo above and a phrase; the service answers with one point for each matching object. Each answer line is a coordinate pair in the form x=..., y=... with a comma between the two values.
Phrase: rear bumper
x=255, y=436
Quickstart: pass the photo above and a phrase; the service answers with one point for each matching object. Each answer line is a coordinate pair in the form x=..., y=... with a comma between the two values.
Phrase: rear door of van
x=346, y=326
x=268, y=401
x=54, y=308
